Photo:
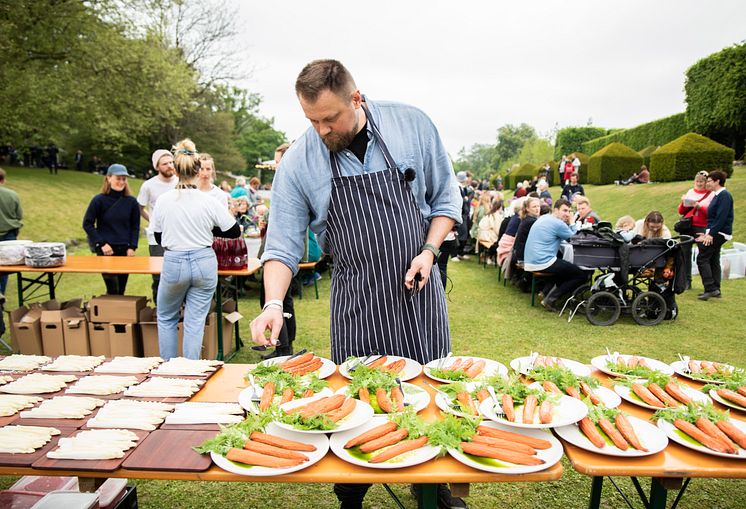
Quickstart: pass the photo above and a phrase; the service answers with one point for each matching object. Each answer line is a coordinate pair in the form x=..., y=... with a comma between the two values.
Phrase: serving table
x=671, y=469
x=226, y=385
x=45, y=278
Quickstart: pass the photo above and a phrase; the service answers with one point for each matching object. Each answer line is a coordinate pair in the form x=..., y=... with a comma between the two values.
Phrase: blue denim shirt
x=302, y=185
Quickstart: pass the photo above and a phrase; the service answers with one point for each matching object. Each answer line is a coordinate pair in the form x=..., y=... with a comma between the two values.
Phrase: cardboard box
x=75, y=333
x=210, y=339
x=149, y=333
x=25, y=335
x=25, y=325
x=52, y=335
x=98, y=337
x=124, y=340
x=116, y=308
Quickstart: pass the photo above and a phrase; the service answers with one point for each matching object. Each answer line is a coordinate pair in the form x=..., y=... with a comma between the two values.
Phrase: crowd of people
x=529, y=233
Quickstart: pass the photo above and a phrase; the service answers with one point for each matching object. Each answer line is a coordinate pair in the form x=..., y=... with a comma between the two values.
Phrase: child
x=625, y=226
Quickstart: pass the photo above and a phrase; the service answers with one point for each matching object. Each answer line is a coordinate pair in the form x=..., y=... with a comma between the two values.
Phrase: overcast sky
x=475, y=66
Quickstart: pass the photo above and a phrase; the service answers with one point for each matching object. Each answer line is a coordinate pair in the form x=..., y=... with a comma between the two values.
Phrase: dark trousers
x=155, y=250
x=115, y=283
x=287, y=334
x=686, y=251
x=11, y=235
x=566, y=278
x=708, y=262
x=351, y=496
x=447, y=250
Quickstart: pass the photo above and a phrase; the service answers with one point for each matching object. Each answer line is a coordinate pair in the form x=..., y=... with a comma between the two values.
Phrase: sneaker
x=549, y=306
x=316, y=276
x=455, y=259
x=465, y=257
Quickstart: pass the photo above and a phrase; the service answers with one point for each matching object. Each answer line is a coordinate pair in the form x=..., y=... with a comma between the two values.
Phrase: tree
x=480, y=159
x=510, y=140
x=716, y=97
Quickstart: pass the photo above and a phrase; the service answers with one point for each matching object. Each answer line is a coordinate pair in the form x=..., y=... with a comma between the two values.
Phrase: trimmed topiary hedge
x=613, y=162
x=656, y=133
x=571, y=139
x=685, y=156
x=646, y=153
x=526, y=171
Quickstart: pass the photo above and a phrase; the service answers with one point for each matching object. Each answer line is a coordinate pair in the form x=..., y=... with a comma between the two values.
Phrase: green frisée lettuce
x=408, y=420
x=371, y=379
x=235, y=435
x=561, y=376
x=316, y=422
x=451, y=431
x=453, y=375
x=264, y=374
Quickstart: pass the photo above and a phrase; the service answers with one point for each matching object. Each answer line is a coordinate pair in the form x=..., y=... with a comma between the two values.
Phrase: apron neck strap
x=390, y=164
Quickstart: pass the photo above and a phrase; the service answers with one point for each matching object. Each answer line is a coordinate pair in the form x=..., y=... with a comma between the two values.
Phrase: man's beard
x=167, y=173
x=337, y=142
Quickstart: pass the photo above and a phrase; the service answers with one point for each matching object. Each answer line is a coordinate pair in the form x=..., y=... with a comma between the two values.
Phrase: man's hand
x=422, y=264
x=107, y=250
x=130, y=252
x=270, y=319
x=704, y=238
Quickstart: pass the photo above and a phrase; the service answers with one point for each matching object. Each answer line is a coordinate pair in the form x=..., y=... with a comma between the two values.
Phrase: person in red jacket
x=694, y=205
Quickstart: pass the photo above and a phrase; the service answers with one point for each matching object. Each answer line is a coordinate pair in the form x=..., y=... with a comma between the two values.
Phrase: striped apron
x=374, y=230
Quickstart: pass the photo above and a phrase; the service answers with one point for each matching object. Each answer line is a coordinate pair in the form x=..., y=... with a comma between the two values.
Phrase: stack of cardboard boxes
x=111, y=325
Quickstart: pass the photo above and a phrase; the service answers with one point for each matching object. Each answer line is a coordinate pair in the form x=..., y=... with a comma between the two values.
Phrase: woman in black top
x=112, y=223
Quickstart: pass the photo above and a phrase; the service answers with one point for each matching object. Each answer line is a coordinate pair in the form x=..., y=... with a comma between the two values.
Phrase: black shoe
x=708, y=295
x=445, y=499
x=549, y=305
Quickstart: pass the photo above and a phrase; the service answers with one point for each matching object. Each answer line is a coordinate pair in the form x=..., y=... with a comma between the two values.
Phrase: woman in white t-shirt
x=184, y=221
x=206, y=177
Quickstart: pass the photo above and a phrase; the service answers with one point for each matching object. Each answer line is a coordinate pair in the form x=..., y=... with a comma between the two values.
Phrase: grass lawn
x=486, y=319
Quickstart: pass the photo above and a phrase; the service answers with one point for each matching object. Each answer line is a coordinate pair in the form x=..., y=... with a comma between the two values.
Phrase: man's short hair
x=717, y=175
x=283, y=148
x=582, y=199
x=255, y=182
x=2, y=175
x=321, y=75
x=558, y=204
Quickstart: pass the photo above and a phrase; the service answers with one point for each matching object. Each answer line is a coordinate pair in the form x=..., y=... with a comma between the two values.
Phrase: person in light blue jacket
x=541, y=251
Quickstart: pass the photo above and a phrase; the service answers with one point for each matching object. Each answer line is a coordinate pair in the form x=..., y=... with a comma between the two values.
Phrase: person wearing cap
x=112, y=223
x=150, y=191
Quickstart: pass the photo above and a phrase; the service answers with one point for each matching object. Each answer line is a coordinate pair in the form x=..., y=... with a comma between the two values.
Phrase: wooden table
x=670, y=469
x=229, y=382
x=27, y=286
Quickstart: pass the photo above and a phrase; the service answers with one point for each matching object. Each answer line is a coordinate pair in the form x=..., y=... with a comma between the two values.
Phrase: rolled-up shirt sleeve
x=288, y=220
x=442, y=193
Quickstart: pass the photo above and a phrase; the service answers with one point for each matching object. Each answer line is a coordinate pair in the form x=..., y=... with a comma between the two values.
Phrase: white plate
x=442, y=402
x=327, y=366
x=244, y=398
x=412, y=368
x=362, y=413
x=673, y=433
x=609, y=398
x=521, y=365
x=550, y=456
x=600, y=364
x=413, y=395
x=490, y=368
x=629, y=396
x=649, y=435
x=338, y=441
x=717, y=397
x=681, y=368
x=567, y=411
x=320, y=441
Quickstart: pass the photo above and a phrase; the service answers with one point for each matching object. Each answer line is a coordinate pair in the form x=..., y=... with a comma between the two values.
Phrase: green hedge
x=571, y=139
x=646, y=153
x=685, y=156
x=613, y=162
x=656, y=133
x=526, y=171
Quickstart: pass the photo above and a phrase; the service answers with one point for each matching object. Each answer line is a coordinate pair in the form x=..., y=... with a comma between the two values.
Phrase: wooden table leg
x=597, y=484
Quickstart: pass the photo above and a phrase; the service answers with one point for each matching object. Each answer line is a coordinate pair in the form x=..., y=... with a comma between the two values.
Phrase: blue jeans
x=11, y=235
x=190, y=276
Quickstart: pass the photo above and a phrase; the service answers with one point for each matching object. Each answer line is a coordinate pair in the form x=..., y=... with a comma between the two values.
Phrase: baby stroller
x=630, y=280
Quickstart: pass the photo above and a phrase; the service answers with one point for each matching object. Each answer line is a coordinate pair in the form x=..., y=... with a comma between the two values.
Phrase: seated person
x=652, y=227
x=541, y=253
x=507, y=239
x=245, y=217
x=543, y=189
x=641, y=177
x=520, y=191
x=529, y=214
x=584, y=215
x=488, y=230
x=573, y=188
x=625, y=226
